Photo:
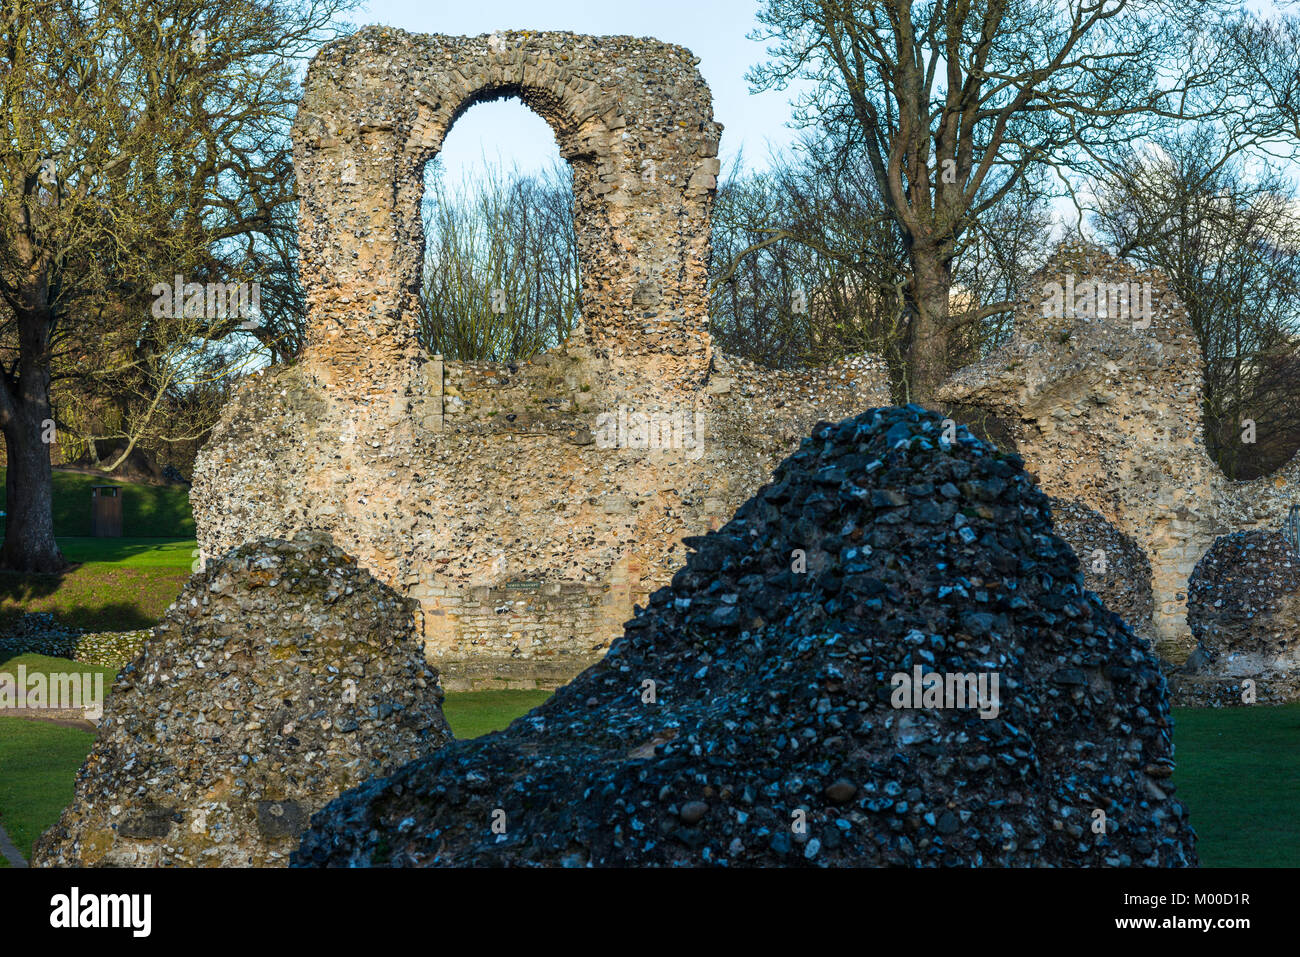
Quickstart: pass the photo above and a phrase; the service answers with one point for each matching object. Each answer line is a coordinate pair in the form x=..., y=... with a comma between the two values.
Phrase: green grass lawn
x=122, y=583
x=475, y=713
x=148, y=511
x=44, y=664
x=118, y=584
x=174, y=553
x=1239, y=774
x=1238, y=770
x=39, y=763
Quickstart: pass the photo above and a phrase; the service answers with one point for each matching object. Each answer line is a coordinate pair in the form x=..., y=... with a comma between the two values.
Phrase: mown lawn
x=475, y=713
x=148, y=511
x=117, y=584
x=174, y=553
x=128, y=584
x=40, y=763
x=1238, y=771
x=44, y=664
x=35, y=759
x=1239, y=774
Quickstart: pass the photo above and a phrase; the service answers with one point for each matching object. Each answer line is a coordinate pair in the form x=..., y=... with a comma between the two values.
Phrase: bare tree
x=500, y=277
x=806, y=268
x=141, y=141
x=955, y=104
x=1230, y=245
x=1268, y=49
x=810, y=267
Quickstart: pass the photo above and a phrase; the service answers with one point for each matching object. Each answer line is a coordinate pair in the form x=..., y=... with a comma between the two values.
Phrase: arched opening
x=500, y=279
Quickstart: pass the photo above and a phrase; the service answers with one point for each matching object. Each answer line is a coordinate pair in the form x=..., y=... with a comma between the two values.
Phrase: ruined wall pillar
x=480, y=489
x=632, y=117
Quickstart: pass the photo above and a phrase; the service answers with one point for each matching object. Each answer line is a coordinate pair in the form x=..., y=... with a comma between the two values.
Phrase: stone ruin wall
x=481, y=490
x=525, y=543
x=632, y=117
x=1107, y=413
x=282, y=676
x=1244, y=610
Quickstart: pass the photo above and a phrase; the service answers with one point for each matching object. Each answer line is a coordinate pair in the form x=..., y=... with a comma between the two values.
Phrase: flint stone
x=784, y=711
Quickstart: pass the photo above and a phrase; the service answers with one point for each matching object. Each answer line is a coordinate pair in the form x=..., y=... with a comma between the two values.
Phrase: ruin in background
x=529, y=506
x=480, y=489
x=1105, y=407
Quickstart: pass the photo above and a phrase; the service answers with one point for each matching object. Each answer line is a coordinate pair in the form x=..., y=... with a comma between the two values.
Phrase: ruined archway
x=526, y=507
x=500, y=279
x=633, y=117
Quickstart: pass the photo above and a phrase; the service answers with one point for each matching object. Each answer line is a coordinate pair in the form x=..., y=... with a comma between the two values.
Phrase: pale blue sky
x=714, y=30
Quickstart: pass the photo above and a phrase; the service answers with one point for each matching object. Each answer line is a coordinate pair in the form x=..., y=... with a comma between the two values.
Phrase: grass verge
x=475, y=713
x=1239, y=774
x=44, y=664
x=96, y=596
x=177, y=554
x=40, y=763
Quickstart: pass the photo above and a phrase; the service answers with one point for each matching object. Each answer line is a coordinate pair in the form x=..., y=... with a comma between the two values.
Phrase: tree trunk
x=29, y=483
x=929, y=336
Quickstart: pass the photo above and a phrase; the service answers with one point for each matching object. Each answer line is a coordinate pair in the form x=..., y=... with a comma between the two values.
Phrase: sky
x=508, y=133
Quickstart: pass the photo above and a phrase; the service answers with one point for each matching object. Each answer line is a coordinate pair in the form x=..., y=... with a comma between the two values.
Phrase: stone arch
x=633, y=118
x=513, y=502
x=552, y=106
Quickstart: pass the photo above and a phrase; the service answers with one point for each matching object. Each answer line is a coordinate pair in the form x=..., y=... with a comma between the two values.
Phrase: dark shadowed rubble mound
x=39, y=633
x=773, y=696
x=1243, y=606
x=1113, y=565
x=283, y=675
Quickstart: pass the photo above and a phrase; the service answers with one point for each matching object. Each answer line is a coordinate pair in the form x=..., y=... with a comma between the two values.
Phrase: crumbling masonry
x=491, y=493
x=526, y=507
x=1106, y=410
